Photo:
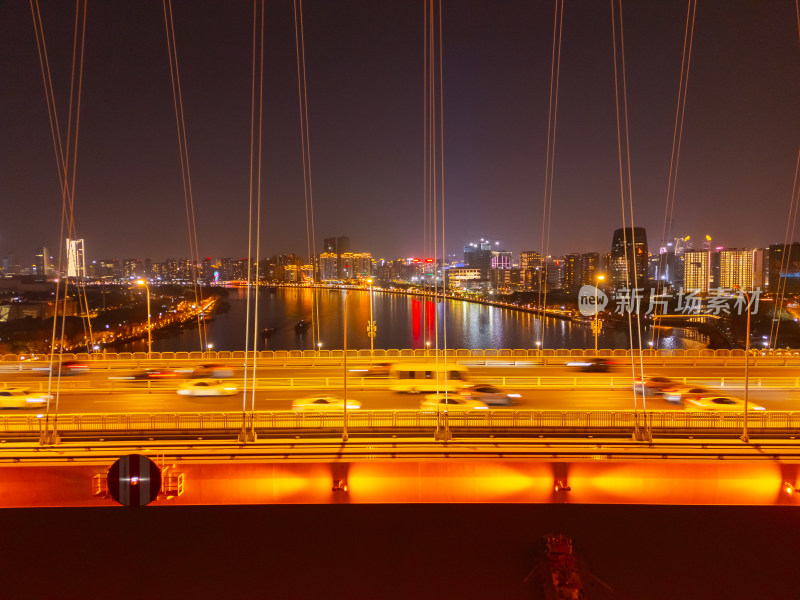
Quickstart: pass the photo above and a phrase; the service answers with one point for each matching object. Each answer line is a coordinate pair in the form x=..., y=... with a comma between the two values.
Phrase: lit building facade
x=697, y=271
x=736, y=269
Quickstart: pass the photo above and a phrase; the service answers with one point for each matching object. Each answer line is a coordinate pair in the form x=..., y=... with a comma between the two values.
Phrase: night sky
x=365, y=92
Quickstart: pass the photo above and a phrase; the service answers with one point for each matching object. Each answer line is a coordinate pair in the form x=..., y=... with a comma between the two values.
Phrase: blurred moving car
x=593, y=365
x=715, y=402
x=72, y=367
x=320, y=403
x=489, y=394
x=207, y=387
x=145, y=374
x=451, y=402
x=677, y=393
x=379, y=369
x=655, y=384
x=212, y=370
x=16, y=397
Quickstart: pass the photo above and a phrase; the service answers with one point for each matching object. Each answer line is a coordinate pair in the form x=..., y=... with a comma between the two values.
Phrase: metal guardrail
x=546, y=356
x=389, y=422
x=373, y=383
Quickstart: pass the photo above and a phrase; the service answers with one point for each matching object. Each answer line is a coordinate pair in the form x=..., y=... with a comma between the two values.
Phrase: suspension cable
x=547, y=201
x=250, y=218
x=677, y=137
x=624, y=165
x=305, y=144
x=186, y=176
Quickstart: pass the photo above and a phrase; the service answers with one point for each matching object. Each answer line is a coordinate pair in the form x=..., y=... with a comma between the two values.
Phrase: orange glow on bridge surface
x=433, y=481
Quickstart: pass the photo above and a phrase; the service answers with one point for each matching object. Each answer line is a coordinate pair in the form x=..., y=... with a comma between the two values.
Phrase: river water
x=402, y=322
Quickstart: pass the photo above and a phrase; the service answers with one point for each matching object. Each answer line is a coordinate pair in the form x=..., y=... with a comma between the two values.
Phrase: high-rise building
x=697, y=271
x=478, y=255
x=329, y=266
x=759, y=275
x=76, y=263
x=629, y=256
x=501, y=259
x=590, y=267
x=529, y=260
x=346, y=266
x=131, y=268
x=572, y=271
x=11, y=264
x=784, y=268
x=42, y=262
x=736, y=269
x=362, y=265
x=554, y=272
x=336, y=245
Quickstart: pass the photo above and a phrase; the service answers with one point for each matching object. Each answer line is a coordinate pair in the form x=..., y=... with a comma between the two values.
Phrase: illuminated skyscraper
x=590, y=267
x=697, y=271
x=736, y=269
x=572, y=270
x=329, y=266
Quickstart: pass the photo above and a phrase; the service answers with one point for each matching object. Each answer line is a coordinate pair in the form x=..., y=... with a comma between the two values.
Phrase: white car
x=716, y=402
x=319, y=403
x=207, y=387
x=489, y=394
x=15, y=397
x=451, y=402
x=680, y=393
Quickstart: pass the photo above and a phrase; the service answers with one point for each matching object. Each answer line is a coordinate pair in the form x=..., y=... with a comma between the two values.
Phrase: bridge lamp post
x=597, y=311
x=371, y=329
x=745, y=438
x=344, y=374
x=149, y=336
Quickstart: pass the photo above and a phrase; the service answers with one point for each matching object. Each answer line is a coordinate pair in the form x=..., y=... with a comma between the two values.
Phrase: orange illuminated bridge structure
x=365, y=470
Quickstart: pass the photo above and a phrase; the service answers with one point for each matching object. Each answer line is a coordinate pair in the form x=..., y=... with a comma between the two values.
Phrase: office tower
x=478, y=255
x=629, y=256
x=784, y=268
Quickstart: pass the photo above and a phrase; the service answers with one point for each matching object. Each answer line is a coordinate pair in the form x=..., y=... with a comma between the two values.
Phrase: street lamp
x=745, y=438
x=597, y=311
x=149, y=336
x=371, y=329
x=344, y=374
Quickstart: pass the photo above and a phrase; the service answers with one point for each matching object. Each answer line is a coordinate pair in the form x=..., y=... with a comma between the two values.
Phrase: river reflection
x=403, y=321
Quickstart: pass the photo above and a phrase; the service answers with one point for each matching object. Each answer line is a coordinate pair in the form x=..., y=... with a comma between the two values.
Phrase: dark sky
x=365, y=77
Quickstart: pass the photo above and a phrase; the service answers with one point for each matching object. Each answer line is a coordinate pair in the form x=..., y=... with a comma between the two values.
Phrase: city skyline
x=365, y=116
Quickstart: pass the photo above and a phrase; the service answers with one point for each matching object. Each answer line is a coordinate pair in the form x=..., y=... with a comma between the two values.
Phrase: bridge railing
x=461, y=355
x=399, y=422
x=599, y=382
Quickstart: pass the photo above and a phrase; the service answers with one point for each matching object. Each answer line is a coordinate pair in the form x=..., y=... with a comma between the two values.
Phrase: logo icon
x=591, y=300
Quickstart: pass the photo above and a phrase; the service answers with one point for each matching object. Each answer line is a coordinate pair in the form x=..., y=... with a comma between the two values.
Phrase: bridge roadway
x=554, y=387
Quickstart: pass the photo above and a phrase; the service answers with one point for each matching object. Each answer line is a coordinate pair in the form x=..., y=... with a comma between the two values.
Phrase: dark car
x=73, y=367
x=148, y=374
x=596, y=365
